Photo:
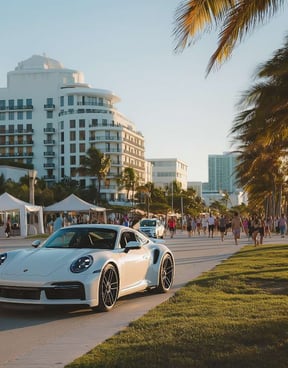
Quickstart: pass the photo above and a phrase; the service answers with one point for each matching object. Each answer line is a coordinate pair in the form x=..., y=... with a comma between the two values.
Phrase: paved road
x=36, y=338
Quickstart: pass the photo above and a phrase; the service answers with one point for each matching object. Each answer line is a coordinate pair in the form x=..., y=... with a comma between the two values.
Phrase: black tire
x=108, y=289
x=166, y=274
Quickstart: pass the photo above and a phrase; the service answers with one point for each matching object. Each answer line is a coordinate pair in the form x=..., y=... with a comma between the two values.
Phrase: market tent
x=73, y=203
x=9, y=204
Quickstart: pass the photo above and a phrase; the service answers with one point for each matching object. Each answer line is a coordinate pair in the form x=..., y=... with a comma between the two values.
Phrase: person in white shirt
x=211, y=225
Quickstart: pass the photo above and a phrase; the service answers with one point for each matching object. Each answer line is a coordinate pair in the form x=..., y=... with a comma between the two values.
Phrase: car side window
x=126, y=237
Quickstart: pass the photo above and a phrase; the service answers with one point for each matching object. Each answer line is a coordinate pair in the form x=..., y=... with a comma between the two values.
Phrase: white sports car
x=86, y=265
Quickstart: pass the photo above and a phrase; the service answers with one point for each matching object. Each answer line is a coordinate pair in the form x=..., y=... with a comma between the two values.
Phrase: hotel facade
x=49, y=118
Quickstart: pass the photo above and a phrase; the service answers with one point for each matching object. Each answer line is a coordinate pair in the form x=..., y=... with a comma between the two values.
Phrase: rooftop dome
x=39, y=62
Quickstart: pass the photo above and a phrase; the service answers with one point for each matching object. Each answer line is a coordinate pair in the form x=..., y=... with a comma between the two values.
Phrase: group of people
x=254, y=227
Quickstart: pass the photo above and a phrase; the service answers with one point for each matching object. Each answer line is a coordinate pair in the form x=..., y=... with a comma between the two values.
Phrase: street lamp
x=32, y=176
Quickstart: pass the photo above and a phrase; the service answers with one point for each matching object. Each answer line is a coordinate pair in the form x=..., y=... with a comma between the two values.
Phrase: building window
x=82, y=147
x=11, y=104
x=82, y=135
x=2, y=116
x=2, y=104
x=82, y=123
x=49, y=101
x=62, y=149
x=62, y=136
x=28, y=115
x=62, y=161
x=72, y=124
x=70, y=100
x=72, y=160
x=72, y=148
x=94, y=122
x=72, y=136
x=104, y=122
x=49, y=114
x=29, y=128
x=20, y=115
x=11, y=115
x=61, y=100
x=28, y=101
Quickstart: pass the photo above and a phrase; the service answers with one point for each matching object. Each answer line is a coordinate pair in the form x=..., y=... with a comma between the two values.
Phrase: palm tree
x=261, y=131
x=234, y=19
x=129, y=180
x=95, y=164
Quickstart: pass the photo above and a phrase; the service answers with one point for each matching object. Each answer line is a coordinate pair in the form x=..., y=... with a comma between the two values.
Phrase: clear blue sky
x=127, y=46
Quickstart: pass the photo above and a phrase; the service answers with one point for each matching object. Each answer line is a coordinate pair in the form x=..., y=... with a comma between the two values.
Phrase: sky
x=127, y=47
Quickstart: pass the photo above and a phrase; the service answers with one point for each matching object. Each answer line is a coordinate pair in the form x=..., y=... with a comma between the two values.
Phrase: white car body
x=153, y=228
x=61, y=271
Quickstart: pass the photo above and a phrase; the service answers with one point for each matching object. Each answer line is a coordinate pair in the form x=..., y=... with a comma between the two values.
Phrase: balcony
x=16, y=155
x=49, y=177
x=49, y=107
x=49, y=165
x=49, y=142
x=49, y=154
x=16, y=108
x=16, y=131
x=49, y=130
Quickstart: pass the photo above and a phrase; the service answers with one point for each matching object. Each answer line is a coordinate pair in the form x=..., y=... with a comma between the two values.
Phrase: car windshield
x=148, y=223
x=97, y=238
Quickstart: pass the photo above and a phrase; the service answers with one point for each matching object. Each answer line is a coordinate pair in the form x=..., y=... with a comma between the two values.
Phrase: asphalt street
x=41, y=339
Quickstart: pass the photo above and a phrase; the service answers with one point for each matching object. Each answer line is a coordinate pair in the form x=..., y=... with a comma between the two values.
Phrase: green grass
x=233, y=316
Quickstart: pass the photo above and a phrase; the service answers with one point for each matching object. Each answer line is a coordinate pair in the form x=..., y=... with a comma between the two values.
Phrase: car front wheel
x=108, y=288
x=166, y=274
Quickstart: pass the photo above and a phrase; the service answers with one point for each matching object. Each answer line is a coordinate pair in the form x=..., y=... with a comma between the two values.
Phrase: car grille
x=66, y=290
x=57, y=291
x=10, y=292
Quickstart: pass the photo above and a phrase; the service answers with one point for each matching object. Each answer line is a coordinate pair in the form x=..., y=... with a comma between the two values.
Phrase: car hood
x=40, y=262
x=147, y=228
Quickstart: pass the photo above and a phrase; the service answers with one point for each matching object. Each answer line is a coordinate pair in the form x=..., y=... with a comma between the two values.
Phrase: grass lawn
x=235, y=315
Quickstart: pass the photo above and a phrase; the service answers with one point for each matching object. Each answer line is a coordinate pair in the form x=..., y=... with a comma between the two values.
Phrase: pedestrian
x=255, y=230
x=8, y=227
x=204, y=224
x=172, y=226
x=189, y=225
x=211, y=225
x=236, y=226
x=58, y=223
x=222, y=227
x=198, y=224
x=282, y=225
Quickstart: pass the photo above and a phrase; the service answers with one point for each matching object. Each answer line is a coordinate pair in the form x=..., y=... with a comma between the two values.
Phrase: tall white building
x=166, y=170
x=49, y=117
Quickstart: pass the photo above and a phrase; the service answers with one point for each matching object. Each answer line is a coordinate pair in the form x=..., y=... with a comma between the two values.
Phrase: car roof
x=98, y=226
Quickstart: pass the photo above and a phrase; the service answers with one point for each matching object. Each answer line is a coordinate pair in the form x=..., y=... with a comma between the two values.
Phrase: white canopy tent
x=73, y=203
x=9, y=204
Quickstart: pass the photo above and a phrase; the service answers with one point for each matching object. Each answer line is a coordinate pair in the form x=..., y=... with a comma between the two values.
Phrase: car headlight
x=3, y=256
x=81, y=264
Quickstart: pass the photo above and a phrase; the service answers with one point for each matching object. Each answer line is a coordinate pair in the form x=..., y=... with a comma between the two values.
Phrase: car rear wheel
x=108, y=288
x=166, y=274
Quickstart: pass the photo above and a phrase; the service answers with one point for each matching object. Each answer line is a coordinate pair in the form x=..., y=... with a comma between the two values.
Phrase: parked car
x=91, y=265
x=154, y=228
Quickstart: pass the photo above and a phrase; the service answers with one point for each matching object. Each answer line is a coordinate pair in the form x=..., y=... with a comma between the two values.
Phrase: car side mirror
x=36, y=243
x=132, y=245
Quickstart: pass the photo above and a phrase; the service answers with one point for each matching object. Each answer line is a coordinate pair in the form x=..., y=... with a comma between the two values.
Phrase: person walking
x=211, y=225
x=222, y=227
x=282, y=225
x=236, y=226
x=189, y=225
x=172, y=226
x=58, y=223
x=8, y=227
